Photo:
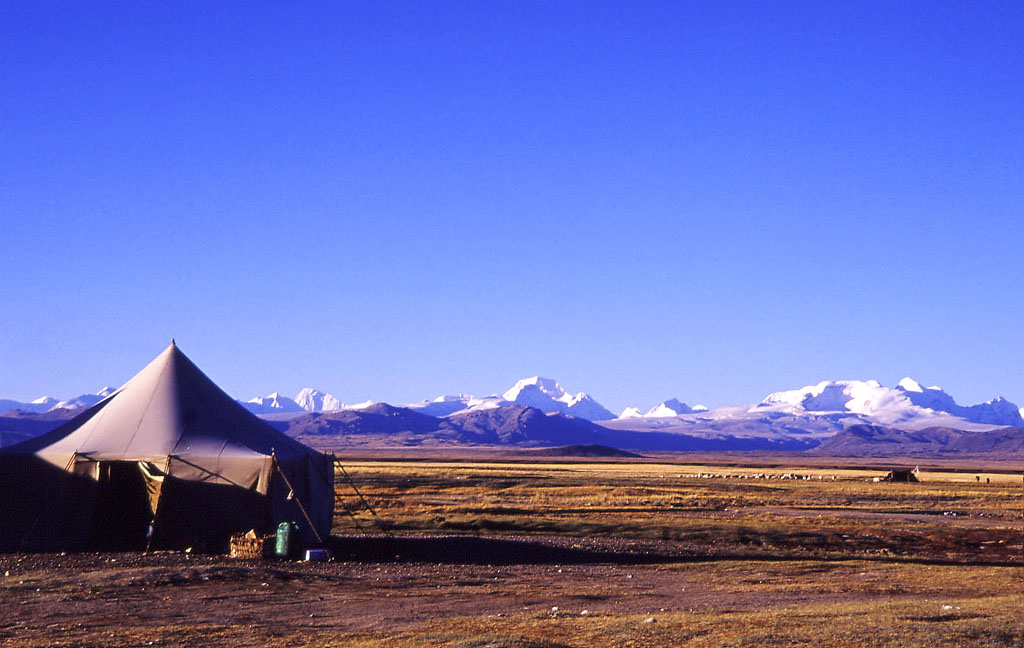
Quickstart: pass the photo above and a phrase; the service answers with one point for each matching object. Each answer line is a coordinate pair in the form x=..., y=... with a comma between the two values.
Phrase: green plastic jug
x=282, y=548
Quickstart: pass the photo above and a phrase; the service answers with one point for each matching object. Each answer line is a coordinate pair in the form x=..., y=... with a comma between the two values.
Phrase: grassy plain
x=512, y=554
x=705, y=510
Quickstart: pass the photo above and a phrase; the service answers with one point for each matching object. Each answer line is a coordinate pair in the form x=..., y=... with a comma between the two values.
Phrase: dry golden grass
x=995, y=622
x=839, y=511
x=749, y=603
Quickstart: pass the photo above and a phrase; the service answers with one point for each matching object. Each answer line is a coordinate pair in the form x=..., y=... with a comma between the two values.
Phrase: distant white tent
x=168, y=460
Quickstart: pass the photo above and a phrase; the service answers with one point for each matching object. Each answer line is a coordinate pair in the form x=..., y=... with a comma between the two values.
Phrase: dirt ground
x=822, y=568
x=177, y=599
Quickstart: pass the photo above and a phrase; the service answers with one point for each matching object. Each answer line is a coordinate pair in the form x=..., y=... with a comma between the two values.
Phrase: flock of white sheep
x=703, y=475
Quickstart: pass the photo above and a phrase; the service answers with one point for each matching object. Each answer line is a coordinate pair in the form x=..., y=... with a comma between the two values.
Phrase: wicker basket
x=247, y=546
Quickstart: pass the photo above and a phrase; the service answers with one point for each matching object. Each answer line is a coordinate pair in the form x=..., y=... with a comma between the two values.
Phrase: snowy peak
x=273, y=404
x=549, y=397
x=930, y=397
x=443, y=405
x=631, y=412
x=908, y=384
x=583, y=406
x=997, y=411
x=313, y=400
x=671, y=407
x=536, y=387
x=665, y=409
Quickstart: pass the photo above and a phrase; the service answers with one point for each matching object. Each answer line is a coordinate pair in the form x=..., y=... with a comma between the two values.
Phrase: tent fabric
x=207, y=467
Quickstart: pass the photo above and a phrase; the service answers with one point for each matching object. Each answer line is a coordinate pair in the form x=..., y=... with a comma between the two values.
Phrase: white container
x=317, y=555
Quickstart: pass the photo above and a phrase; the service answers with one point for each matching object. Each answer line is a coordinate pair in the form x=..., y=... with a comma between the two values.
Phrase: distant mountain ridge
x=798, y=417
x=506, y=425
x=514, y=424
x=48, y=403
x=383, y=425
x=880, y=441
x=18, y=425
x=38, y=405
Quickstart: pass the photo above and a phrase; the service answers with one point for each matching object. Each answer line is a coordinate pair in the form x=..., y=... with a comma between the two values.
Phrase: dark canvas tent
x=902, y=475
x=167, y=461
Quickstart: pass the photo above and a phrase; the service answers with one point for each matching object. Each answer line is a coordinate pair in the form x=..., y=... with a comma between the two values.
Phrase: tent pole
x=273, y=457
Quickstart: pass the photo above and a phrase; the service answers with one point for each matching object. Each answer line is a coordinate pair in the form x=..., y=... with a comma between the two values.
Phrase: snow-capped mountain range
x=47, y=403
x=814, y=411
x=821, y=410
x=540, y=393
x=806, y=415
x=307, y=400
x=906, y=403
x=544, y=394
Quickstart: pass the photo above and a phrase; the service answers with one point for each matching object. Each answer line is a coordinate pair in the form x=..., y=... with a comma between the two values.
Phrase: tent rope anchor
x=369, y=507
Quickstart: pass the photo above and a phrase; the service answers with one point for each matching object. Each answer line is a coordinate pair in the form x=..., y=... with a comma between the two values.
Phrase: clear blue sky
x=707, y=200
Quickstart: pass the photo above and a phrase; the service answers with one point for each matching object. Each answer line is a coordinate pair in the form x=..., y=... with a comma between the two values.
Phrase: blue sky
x=706, y=200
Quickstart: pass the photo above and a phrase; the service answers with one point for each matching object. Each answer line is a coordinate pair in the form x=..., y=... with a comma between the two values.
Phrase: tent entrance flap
x=154, y=479
x=122, y=516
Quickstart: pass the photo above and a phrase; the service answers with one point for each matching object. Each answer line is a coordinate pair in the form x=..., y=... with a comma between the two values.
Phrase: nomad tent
x=902, y=475
x=167, y=461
